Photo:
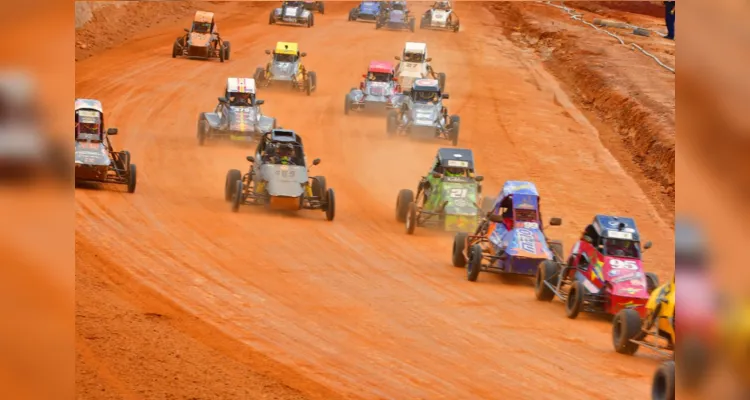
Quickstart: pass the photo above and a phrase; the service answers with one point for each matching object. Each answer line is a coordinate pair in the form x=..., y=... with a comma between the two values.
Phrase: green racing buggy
x=449, y=197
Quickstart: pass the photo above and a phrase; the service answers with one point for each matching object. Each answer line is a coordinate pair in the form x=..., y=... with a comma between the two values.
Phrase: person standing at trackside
x=669, y=18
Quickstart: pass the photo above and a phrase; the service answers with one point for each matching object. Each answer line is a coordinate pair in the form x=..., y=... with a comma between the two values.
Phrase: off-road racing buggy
x=420, y=112
x=440, y=17
x=292, y=13
x=510, y=239
x=414, y=64
x=237, y=117
x=286, y=68
x=604, y=272
x=396, y=19
x=313, y=6
x=376, y=91
x=366, y=11
x=278, y=178
x=447, y=198
x=96, y=161
x=202, y=40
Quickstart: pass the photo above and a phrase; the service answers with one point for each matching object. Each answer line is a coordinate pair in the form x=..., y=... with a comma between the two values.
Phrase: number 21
x=459, y=193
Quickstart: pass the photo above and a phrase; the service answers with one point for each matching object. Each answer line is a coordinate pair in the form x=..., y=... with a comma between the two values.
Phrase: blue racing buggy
x=366, y=11
x=396, y=17
x=510, y=239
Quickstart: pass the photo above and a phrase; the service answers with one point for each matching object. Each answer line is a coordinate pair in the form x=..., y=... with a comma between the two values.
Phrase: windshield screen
x=525, y=215
x=293, y=4
x=379, y=77
x=285, y=58
x=202, y=27
x=621, y=248
x=414, y=57
x=237, y=99
x=432, y=97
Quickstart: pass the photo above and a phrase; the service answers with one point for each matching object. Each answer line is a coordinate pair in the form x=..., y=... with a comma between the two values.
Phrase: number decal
x=459, y=193
x=623, y=264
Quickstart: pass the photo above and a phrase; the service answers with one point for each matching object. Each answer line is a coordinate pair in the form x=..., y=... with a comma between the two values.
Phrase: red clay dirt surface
x=179, y=298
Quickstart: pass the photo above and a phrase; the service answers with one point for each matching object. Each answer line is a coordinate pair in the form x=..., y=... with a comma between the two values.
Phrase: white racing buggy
x=420, y=112
x=237, y=117
x=414, y=64
x=292, y=13
x=286, y=68
x=440, y=17
x=95, y=159
x=278, y=178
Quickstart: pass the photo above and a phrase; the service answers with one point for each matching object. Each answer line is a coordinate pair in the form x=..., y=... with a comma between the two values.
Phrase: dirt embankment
x=102, y=27
x=637, y=128
x=650, y=8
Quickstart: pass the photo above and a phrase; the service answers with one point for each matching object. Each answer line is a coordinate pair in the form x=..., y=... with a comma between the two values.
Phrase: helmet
x=240, y=98
x=286, y=150
x=453, y=171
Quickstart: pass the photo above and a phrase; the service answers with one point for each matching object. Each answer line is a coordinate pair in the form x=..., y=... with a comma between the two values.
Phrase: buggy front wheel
x=663, y=384
x=411, y=218
x=455, y=129
x=233, y=176
x=237, y=199
x=626, y=326
x=459, y=245
x=574, y=301
x=475, y=263
x=330, y=205
x=131, y=178
x=546, y=273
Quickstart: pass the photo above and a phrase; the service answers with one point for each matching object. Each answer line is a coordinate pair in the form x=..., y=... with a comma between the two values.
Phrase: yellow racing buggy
x=286, y=68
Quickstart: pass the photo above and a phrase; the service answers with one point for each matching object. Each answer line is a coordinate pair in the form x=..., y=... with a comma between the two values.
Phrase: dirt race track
x=178, y=298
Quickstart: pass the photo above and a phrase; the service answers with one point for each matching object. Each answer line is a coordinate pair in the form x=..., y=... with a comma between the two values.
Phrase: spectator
x=669, y=18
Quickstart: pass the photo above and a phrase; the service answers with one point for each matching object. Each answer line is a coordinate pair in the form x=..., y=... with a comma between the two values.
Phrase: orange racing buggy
x=202, y=40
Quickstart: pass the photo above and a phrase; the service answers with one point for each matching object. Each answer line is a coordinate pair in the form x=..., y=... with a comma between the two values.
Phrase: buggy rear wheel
x=441, y=81
x=176, y=48
x=238, y=195
x=475, y=263
x=123, y=161
x=546, y=273
x=347, y=103
x=221, y=53
x=233, y=176
x=459, y=245
x=201, y=131
x=313, y=78
x=270, y=18
x=412, y=24
x=411, y=218
x=652, y=282
x=663, y=384
x=574, y=301
x=556, y=247
x=626, y=326
x=455, y=128
x=405, y=197
x=132, y=176
x=330, y=205
x=319, y=187
x=227, y=50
